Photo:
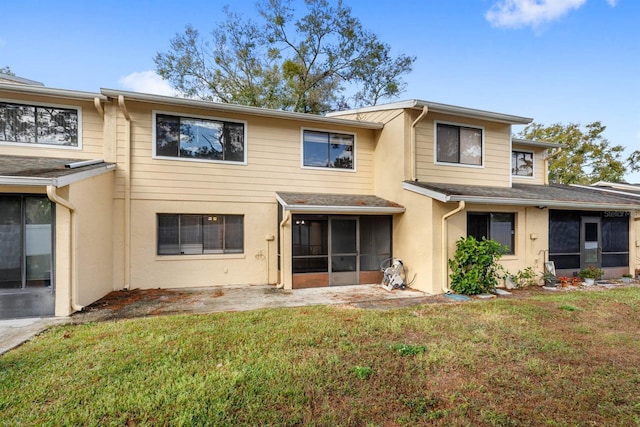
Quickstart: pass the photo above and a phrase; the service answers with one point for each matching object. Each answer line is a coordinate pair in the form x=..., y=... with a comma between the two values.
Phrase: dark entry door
x=344, y=251
x=26, y=257
x=591, y=244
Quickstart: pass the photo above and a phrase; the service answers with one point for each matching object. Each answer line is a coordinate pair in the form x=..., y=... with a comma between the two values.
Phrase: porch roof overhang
x=44, y=171
x=337, y=203
x=542, y=196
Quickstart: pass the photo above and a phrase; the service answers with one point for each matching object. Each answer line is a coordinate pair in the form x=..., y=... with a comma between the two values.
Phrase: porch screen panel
x=38, y=241
x=615, y=241
x=564, y=238
x=310, y=244
x=10, y=242
x=375, y=241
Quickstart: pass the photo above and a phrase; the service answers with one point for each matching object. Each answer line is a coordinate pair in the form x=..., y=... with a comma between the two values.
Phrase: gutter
x=73, y=279
x=412, y=153
x=283, y=224
x=127, y=193
x=444, y=242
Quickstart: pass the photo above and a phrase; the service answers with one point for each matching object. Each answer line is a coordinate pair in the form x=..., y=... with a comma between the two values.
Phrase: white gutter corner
x=73, y=280
x=444, y=242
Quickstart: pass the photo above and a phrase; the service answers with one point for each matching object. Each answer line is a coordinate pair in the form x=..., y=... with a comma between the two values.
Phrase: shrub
x=591, y=272
x=474, y=267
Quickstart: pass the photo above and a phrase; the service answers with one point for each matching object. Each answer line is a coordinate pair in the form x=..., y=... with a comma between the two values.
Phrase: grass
x=565, y=359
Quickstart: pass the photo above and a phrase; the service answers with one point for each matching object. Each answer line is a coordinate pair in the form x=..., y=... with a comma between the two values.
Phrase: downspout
x=444, y=242
x=546, y=164
x=283, y=224
x=127, y=194
x=425, y=110
x=73, y=279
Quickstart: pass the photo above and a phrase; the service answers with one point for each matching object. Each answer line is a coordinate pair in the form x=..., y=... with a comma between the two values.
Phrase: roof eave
x=63, y=181
x=241, y=109
x=52, y=92
x=542, y=144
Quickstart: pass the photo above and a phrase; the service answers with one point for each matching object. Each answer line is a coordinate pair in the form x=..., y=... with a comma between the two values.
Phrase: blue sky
x=557, y=61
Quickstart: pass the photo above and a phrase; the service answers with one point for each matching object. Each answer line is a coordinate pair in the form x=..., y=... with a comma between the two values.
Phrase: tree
x=7, y=70
x=287, y=61
x=588, y=156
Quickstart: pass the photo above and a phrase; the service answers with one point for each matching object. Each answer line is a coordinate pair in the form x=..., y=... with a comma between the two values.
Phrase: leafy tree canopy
x=313, y=61
x=588, y=156
x=7, y=71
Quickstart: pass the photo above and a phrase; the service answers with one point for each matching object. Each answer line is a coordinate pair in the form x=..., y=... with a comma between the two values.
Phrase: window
x=458, y=144
x=327, y=150
x=181, y=234
x=495, y=226
x=522, y=163
x=39, y=125
x=195, y=138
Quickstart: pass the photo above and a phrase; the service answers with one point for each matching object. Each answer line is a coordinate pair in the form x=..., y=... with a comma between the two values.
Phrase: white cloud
x=612, y=3
x=147, y=82
x=521, y=13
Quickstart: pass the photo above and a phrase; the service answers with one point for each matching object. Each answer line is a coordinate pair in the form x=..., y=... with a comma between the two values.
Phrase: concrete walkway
x=153, y=302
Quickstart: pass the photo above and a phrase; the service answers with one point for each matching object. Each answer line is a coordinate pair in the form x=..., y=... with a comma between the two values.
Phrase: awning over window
x=337, y=203
x=42, y=171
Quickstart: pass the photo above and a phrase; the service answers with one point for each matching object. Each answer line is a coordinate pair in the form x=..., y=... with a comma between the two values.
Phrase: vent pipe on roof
x=74, y=165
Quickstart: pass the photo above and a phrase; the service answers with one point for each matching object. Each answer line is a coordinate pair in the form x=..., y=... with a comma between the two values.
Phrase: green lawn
x=558, y=359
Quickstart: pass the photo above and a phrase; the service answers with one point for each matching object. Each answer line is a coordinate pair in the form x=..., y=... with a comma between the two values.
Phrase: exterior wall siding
x=538, y=166
x=497, y=155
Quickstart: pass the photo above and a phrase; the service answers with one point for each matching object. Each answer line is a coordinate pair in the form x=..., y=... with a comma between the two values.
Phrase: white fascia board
x=56, y=182
x=58, y=93
x=25, y=180
x=444, y=109
x=542, y=203
x=619, y=189
x=240, y=109
x=509, y=201
x=81, y=176
x=425, y=192
x=542, y=144
x=340, y=209
x=600, y=184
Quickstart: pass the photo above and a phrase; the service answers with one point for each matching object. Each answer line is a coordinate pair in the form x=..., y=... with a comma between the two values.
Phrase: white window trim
x=154, y=155
x=457, y=165
x=319, y=168
x=533, y=167
x=39, y=145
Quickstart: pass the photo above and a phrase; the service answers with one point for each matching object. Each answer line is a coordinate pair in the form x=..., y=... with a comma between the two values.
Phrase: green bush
x=474, y=267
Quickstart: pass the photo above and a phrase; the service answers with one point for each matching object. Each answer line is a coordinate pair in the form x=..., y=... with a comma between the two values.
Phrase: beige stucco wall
x=531, y=238
x=92, y=242
x=257, y=265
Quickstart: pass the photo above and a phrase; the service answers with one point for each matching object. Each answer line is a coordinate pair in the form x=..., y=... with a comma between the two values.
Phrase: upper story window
x=198, y=138
x=522, y=163
x=458, y=144
x=39, y=124
x=328, y=149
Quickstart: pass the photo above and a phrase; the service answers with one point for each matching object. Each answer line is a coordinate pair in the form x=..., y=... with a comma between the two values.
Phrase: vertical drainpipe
x=413, y=171
x=444, y=241
x=73, y=277
x=283, y=224
x=127, y=194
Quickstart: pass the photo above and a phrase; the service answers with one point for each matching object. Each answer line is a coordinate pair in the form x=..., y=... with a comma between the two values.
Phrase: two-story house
x=116, y=189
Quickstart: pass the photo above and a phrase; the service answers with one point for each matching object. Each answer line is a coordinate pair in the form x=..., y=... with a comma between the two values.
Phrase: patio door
x=344, y=244
x=26, y=256
x=591, y=244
